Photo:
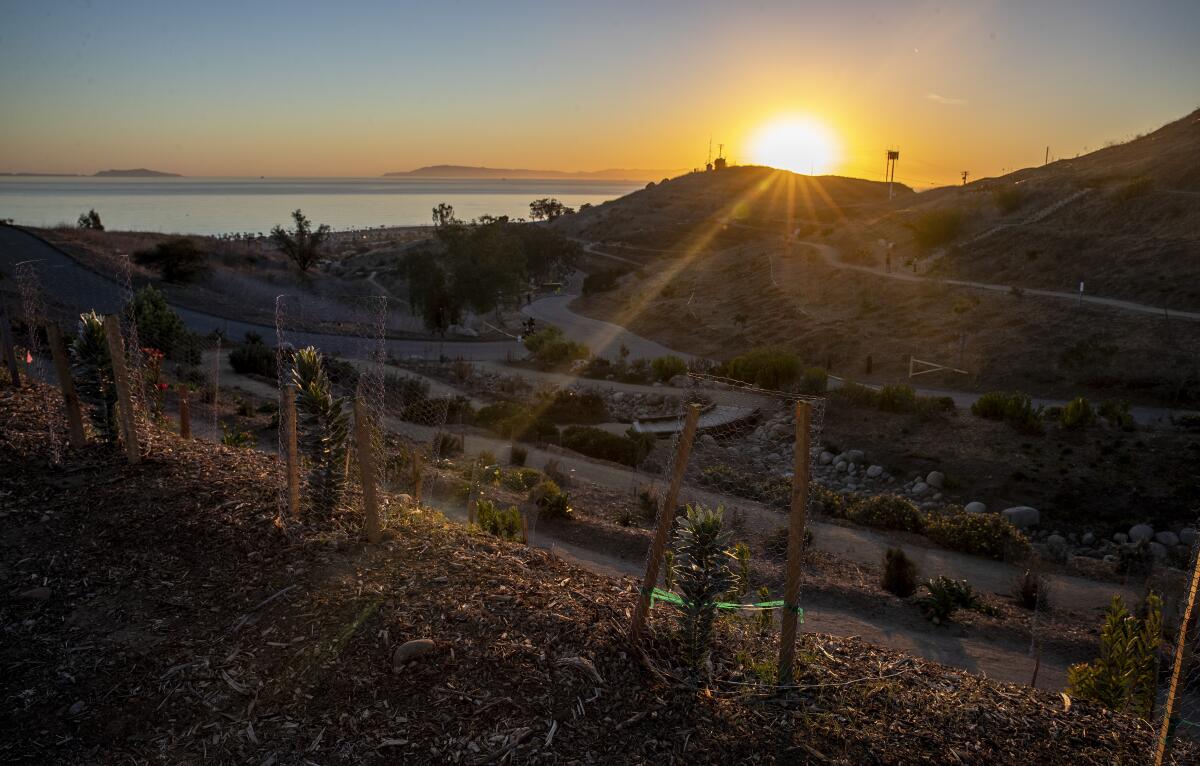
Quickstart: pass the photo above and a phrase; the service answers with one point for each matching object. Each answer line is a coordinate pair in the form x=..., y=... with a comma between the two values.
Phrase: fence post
x=418, y=475
x=524, y=527
x=116, y=351
x=10, y=353
x=290, y=452
x=185, y=413
x=666, y=516
x=366, y=470
x=1180, y=643
x=70, y=398
x=796, y=526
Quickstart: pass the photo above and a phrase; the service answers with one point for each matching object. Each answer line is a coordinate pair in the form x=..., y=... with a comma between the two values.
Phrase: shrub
x=1116, y=413
x=253, y=358
x=1077, y=413
x=769, y=367
x=769, y=489
x=322, y=429
x=936, y=228
x=980, y=534
x=827, y=501
x=856, y=394
x=703, y=575
x=667, y=367
x=933, y=407
x=520, y=479
x=158, y=326
x=1030, y=591
x=899, y=573
x=1014, y=408
x=551, y=501
x=550, y=348
x=502, y=523
x=513, y=420
x=177, y=260
x=945, y=596
x=1124, y=676
x=629, y=449
x=814, y=380
x=1138, y=187
x=897, y=398
x=602, y=281
x=555, y=473
x=91, y=366
x=231, y=436
x=447, y=445
x=517, y=455
x=90, y=220
x=776, y=543
x=648, y=503
x=889, y=512
x=567, y=405
x=741, y=554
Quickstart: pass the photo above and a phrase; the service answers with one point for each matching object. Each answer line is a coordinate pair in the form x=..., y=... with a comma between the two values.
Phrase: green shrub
x=520, y=479
x=565, y=405
x=827, y=501
x=178, y=260
x=936, y=228
x=945, y=596
x=158, y=325
x=899, y=573
x=1138, y=187
x=231, y=436
x=814, y=381
x=856, y=394
x=447, y=445
x=630, y=449
x=551, y=501
x=897, y=398
x=550, y=348
x=517, y=455
x=769, y=367
x=889, y=512
x=91, y=366
x=980, y=534
x=667, y=367
x=741, y=554
x=1116, y=413
x=502, y=523
x=1124, y=677
x=1077, y=413
x=767, y=489
x=703, y=576
x=933, y=407
x=1014, y=408
x=323, y=428
x=253, y=357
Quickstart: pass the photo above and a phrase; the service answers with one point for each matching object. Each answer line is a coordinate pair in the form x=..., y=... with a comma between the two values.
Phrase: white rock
x=826, y=458
x=936, y=479
x=1022, y=516
x=1167, y=538
x=1140, y=532
x=410, y=650
x=874, y=471
x=975, y=507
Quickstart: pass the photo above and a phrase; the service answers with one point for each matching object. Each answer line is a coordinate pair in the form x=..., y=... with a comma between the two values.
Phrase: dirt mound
x=159, y=613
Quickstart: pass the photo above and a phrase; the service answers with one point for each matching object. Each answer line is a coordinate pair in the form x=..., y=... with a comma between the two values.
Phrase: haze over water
x=234, y=205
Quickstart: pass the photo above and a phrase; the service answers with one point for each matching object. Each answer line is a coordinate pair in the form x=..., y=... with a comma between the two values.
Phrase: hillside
x=136, y=173
x=706, y=208
x=164, y=614
x=1125, y=220
x=468, y=172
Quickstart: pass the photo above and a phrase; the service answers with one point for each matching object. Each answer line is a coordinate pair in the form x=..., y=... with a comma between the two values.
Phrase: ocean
x=253, y=205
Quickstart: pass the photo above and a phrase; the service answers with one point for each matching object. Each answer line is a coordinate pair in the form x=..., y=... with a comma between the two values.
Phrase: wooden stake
x=185, y=413
x=666, y=517
x=791, y=592
x=366, y=470
x=70, y=398
x=1180, y=642
x=291, y=453
x=125, y=418
x=10, y=353
x=524, y=527
x=418, y=475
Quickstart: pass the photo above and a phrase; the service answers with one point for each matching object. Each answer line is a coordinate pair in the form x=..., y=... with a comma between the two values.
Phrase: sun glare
x=801, y=145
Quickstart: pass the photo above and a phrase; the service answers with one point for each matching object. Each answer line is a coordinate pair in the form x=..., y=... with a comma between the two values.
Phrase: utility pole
x=889, y=173
x=965, y=173
x=1047, y=160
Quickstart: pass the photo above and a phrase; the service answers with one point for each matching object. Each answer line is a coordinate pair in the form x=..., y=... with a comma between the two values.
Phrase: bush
x=520, y=479
x=565, y=405
x=814, y=381
x=667, y=367
x=899, y=573
x=933, y=407
x=502, y=523
x=1124, y=677
x=231, y=436
x=769, y=367
x=1030, y=591
x=897, y=398
x=945, y=596
x=158, y=326
x=1117, y=414
x=177, y=260
x=630, y=449
x=517, y=455
x=447, y=445
x=889, y=512
x=856, y=394
x=768, y=489
x=1077, y=413
x=703, y=576
x=648, y=503
x=827, y=501
x=253, y=358
x=602, y=281
x=980, y=534
x=1014, y=408
x=936, y=228
x=90, y=220
x=555, y=473
x=550, y=348
x=551, y=501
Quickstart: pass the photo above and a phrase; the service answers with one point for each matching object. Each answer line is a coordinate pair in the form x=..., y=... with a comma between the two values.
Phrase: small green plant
x=814, y=381
x=1077, y=413
x=769, y=367
x=703, y=575
x=630, y=449
x=648, y=503
x=889, y=512
x=741, y=554
x=897, y=398
x=323, y=429
x=178, y=260
x=498, y=522
x=517, y=455
x=1014, y=408
x=253, y=357
x=550, y=348
x=1030, y=591
x=899, y=573
x=232, y=436
x=669, y=572
x=551, y=501
x=520, y=479
x=158, y=325
x=980, y=534
x=1123, y=677
x=91, y=366
x=945, y=596
x=667, y=367
x=1116, y=413
x=764, y=617
x=856, y=394
x=447, y=445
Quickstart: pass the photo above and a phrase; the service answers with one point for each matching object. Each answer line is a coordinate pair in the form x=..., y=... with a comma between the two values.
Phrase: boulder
x=680, y=381
x=410, y=650
x=919, y=489
x=975, y=507
x=842, y=466
x=874, y=471
x=1158, y=550
x=1022, y=516
x=855, y=456
x=826, y=458
x=1141, y=532
x=1120, y=538
x=1089, y=538
x=936, y=479
x=1167, y=538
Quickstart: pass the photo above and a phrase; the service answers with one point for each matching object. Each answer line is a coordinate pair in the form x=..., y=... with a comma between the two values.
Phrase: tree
x=178, y=260
x=443, y=215
x=91, y=366
x=547, y=209
x=302, y=245
x=90, y=220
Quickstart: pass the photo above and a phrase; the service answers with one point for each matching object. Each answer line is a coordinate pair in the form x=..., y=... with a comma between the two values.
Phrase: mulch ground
x=161, y=613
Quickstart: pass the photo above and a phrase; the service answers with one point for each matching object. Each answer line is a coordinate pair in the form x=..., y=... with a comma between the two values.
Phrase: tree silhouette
x=443, y=215
x=90, y=220
x=302, y=245
x=547, y=209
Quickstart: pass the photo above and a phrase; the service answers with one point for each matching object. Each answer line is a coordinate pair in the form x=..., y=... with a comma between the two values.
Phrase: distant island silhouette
x=136, y=173
x=467, y=171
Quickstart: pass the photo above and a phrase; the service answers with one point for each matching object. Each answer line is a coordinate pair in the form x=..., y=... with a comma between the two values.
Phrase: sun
x=798, y=144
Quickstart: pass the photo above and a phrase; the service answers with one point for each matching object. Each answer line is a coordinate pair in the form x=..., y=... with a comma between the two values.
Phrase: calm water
x=228, y=205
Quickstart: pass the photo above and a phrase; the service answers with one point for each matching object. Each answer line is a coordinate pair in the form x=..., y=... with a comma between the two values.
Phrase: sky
x=361, y=88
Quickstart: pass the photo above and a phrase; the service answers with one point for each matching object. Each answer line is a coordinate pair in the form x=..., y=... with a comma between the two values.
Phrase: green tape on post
x=658, y=594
